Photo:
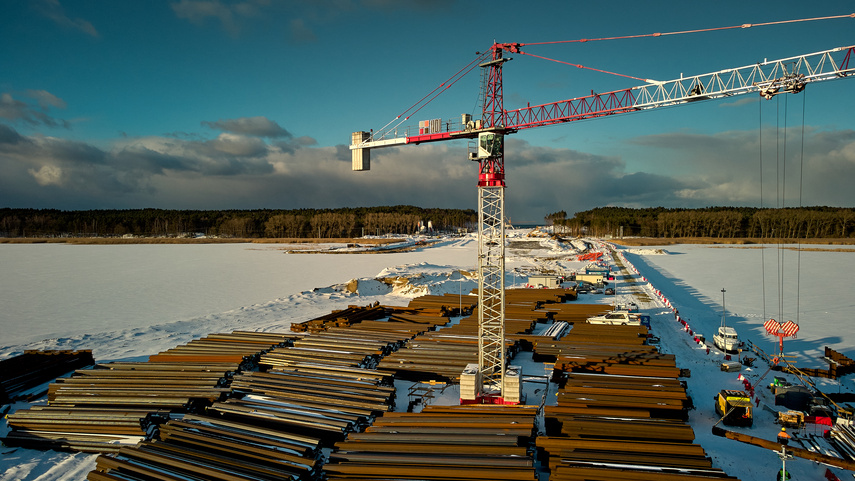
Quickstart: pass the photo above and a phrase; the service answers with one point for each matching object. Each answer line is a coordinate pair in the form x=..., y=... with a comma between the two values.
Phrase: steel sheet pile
x=343, y=318
x=239, y=348
x=210, y=447
x=442, y=352
x=563, y=315
x=440, y=443
x=21, y=376
x=272, y=425
x=101, y=409
x=621, y=411
x=319, y=401
x=358, y=339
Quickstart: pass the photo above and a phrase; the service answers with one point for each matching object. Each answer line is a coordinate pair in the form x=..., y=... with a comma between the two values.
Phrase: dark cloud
x=242, y=171
x=291, y=145
x=255, y=126
x=725, y=168
x=54, y=11
x=21, y=111
x=9, y=137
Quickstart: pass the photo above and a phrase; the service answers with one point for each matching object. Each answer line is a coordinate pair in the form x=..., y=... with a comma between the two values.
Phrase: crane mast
x=492, y=380
x=491, y=243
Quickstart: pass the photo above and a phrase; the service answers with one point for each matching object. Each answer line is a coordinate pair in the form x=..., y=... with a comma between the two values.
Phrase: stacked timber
x=239, y=347
x=440, y=443
x=343, y=318
x=204, y=447
x=22, y=374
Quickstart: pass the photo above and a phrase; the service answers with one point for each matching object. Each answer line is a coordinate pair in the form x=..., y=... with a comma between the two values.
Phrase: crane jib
x=768, y=78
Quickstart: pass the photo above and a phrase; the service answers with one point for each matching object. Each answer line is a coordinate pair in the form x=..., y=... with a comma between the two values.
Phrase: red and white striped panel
x=772, y=326
x=790, y=328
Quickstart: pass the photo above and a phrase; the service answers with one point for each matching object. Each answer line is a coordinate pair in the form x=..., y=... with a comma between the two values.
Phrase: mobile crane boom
x=769, y=78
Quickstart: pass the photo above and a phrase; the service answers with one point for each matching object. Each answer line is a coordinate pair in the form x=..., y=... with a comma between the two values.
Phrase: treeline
x=722, y=222
x=323, y=223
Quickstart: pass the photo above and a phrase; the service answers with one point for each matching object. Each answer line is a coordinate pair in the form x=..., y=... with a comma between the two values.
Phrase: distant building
x=547, y=281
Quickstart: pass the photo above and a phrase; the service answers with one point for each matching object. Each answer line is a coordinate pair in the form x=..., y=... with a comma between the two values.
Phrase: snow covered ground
x=127, y=302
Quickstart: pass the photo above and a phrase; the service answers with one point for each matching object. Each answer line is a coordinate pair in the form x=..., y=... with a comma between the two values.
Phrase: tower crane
x=768, y=79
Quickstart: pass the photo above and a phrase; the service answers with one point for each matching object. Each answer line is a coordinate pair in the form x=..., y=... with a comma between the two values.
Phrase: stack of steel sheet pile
x=274, y=423
x=585, y=337
x=237, y=349
x=98, y=410
x=363, y=343
x=22, y=376
x=522, y=306
x=101, y=409
x=621, y=411
x=325, y=403
x=450, y=305
x=436, y=354
x=443, y=354
x=343, y=318
x=441, y=443
x=240, y=436
x=210, y=447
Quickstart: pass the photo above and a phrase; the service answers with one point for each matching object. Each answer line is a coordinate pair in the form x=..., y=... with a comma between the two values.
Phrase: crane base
x=488, y=399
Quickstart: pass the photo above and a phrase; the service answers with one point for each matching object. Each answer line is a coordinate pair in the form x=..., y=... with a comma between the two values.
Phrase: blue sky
x=215, y=104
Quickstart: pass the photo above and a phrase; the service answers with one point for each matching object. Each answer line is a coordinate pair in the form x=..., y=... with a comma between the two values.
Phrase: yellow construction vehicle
x=792, y=419
x=734, y=407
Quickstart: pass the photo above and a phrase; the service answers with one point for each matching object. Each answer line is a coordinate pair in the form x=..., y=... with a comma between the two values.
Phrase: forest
x=716, y=222
x=261, y=223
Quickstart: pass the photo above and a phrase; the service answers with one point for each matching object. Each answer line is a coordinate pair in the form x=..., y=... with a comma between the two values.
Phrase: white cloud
x=230, y=15
x=239, y=145
x=47, y=175
x=54, y=11
x=257, y=126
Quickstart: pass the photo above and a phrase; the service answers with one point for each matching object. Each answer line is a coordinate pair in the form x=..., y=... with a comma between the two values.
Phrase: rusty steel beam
x=469, y=449
x=431, y=472
x=582, y=471
x=295, y=441
x=417, y=461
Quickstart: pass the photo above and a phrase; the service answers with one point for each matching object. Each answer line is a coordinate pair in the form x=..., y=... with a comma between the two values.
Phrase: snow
x=128, y=302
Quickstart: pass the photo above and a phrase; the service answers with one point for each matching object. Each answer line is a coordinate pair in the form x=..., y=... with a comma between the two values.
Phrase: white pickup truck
x=621, y=318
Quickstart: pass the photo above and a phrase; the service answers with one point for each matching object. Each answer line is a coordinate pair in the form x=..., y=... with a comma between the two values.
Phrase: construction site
x=492, y=384
x=378, y=392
